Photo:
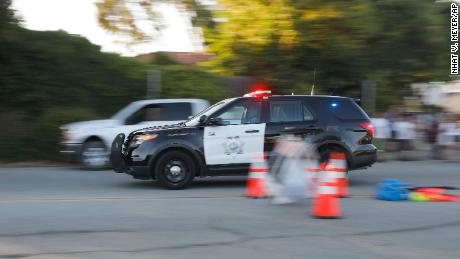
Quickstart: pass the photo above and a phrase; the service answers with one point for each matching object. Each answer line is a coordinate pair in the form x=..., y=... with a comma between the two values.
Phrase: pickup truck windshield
x=126, y=111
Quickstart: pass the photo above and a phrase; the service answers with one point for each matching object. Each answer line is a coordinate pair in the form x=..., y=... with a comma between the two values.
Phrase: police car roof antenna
x=313, y=86
x=333, y=91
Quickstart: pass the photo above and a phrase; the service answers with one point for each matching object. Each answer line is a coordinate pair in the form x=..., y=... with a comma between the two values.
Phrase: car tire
x=94, y=155
x=175, y=170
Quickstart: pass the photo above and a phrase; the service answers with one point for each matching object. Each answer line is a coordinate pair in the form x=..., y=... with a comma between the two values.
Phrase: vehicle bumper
x=119, y=163
x=363, y=157
x=70, y=149
x=137, y=172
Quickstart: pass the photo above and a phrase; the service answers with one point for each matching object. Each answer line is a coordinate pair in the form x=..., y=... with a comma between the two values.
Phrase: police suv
x=222, y=139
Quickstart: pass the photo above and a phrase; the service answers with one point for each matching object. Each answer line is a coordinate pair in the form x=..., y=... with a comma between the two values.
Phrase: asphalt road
x=61, y=212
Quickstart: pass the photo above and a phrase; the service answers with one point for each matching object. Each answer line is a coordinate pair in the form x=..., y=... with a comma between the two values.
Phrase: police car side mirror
x=202, y=119
x=215, y=122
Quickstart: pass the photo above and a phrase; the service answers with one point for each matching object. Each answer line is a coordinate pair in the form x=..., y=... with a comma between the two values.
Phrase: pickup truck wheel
x=175, y=170
x=94, y=155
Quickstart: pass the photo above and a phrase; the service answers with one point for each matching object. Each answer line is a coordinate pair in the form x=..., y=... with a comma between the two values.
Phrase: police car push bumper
x=116, y=154
x=119, y=164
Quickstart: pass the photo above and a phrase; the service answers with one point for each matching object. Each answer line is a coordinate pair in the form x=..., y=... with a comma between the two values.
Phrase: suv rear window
x=289, y=111
x=345, y=109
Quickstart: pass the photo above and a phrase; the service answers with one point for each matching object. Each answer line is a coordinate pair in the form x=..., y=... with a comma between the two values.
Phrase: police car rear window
x=289, y=111
x=345, y=109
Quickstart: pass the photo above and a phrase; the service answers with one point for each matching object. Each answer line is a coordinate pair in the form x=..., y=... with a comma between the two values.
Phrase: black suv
x=223, y=139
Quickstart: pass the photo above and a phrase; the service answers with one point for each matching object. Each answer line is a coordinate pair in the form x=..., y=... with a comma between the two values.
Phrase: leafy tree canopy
x=393, y=42
x=51, y=78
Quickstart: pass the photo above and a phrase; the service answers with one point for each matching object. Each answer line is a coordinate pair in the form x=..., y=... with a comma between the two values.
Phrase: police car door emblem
x=233, y=146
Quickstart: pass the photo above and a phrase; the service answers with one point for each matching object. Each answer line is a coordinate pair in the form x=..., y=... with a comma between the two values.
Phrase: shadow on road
x=139, y=185
x=355, y=182
x=214, y=182
x=221, y=182
x=218, y=183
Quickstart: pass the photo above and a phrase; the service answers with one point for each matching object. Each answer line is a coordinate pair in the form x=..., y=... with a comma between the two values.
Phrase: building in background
x=442, y=94
x=184, y=58
x=235, y=85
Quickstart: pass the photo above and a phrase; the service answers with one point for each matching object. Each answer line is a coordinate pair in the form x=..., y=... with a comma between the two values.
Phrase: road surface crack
x=242, y=237
x=64, y=232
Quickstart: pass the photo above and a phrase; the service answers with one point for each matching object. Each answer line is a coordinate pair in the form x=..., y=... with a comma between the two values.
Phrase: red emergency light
x=259, y=93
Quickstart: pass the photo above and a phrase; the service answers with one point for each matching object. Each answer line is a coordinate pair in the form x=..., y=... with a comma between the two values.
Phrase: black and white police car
x=222, y=139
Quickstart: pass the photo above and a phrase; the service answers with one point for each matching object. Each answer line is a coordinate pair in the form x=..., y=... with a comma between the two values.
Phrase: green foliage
x=57, y=69
x=181, y=82
x=394, y=42
x=7, y=18
x=120, y=17
x=410, y=45
x=162, y=59
x=51, y=78
x=44, y=72
x=48, y=124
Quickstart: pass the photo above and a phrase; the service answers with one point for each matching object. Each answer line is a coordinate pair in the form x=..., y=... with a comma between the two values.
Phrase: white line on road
x=137, y=198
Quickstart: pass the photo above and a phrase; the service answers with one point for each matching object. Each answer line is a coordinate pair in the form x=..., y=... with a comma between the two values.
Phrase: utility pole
x=313, y=86
x=153, y=84
x=368, y=95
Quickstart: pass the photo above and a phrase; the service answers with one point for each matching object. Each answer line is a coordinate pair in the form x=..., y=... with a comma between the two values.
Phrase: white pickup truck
x=90, y=141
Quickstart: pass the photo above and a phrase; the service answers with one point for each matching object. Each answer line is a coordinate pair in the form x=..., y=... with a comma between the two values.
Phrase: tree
x=284, y=41
x=51, y=78
x=410, y=45
x=125, y=17
x=6, y=16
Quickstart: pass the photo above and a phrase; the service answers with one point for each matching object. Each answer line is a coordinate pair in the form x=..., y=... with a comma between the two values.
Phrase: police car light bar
x=259, y=93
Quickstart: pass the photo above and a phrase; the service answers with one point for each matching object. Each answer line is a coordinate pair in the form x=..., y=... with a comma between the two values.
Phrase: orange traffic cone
x=338, y=164
x=326, y=203
x=256, y=186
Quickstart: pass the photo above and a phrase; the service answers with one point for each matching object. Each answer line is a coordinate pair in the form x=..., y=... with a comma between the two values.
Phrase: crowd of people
x=416, y=136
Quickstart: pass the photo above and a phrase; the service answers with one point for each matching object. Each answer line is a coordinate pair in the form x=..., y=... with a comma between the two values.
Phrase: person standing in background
x=405, y=135
x=382, y=132
x=391, y=116
x=446, y=136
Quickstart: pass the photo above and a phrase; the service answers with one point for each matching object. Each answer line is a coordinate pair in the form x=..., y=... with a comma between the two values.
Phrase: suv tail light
x=368, y=126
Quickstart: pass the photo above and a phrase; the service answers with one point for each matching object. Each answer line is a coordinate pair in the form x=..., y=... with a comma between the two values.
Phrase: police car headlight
x=139, y=139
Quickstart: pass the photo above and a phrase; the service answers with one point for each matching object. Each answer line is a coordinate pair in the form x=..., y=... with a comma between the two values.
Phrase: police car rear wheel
x=175, y=170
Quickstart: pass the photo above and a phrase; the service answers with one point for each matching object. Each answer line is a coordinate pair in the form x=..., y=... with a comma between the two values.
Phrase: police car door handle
x=211, y=133
x=313, y=127
x=252, y=131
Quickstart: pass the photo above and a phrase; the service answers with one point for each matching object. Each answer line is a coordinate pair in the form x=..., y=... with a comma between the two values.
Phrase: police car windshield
x=208, y=111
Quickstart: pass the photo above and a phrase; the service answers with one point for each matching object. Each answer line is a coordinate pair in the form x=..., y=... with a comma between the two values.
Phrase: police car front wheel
x=175, y=170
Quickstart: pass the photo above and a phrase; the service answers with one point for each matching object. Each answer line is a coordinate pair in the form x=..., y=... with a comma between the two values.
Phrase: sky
x=80, y=17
